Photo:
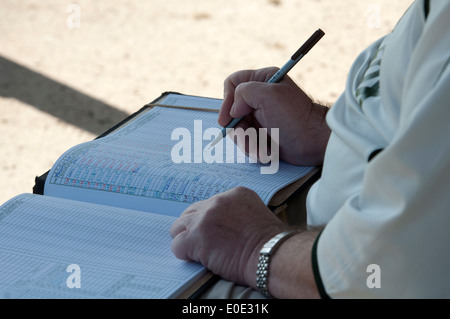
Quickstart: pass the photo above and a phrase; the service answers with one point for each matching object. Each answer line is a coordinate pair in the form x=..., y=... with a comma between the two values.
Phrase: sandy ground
x=71, y=69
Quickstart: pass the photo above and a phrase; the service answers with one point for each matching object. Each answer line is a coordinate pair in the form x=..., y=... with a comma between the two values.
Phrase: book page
x=119, y=253
x=134, y=167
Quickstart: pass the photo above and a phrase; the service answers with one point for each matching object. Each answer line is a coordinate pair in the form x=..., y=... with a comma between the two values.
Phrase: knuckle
x=272, y=70
x=217, y=201
x=241, y=190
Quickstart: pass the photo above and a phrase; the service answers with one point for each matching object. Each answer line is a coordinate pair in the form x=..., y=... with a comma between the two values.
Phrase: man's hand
x=225, y=234
x=301, y=123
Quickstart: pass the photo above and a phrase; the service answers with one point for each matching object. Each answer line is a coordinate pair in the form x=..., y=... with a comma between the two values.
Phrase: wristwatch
x=268, y=250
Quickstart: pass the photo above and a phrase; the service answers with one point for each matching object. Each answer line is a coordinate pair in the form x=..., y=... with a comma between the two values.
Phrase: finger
x=250, y=97
x=185, y=218
x=193, y=208
x=260, y=75
x=177, y=227
x=230, y=85
x=224, y=113
x=180, y=246
x=234, y=80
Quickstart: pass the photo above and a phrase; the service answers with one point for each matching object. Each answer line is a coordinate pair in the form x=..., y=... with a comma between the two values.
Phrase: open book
x=109, y=203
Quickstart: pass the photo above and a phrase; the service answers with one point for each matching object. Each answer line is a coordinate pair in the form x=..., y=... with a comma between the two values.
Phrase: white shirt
x=391, y=207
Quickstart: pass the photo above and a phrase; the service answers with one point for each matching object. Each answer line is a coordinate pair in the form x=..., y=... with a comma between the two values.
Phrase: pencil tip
x=218, y=138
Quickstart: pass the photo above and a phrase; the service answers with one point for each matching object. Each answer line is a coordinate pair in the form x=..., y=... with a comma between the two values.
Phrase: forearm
x=290, y=269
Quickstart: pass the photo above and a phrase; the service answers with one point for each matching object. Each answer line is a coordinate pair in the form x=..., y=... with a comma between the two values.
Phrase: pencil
x=304, y=49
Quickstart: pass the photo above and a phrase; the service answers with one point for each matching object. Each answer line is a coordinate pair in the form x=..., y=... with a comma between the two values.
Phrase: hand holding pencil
x=255, y=101
x=280, y=74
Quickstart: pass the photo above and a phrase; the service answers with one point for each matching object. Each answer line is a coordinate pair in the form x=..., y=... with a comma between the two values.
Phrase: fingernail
x=233, y=109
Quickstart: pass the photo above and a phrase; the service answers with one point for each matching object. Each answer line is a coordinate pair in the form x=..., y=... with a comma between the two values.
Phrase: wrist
x=265, y=257
x=318, y=134
x=291, y=274
x=251, y=275
x=252, y=262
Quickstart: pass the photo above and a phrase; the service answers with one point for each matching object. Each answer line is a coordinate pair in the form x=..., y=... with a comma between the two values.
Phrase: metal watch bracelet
x=262, y=271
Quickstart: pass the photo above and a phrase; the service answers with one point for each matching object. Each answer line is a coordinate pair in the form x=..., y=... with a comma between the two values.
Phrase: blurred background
x=69, y=70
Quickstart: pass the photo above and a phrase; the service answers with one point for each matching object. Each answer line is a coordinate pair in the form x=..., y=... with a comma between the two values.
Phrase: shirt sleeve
x=400, y=219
